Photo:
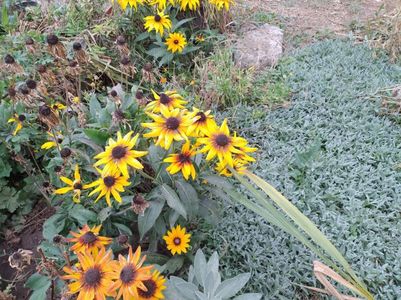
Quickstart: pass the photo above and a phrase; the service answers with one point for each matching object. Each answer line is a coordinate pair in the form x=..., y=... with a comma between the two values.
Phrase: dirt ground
x=307, y=20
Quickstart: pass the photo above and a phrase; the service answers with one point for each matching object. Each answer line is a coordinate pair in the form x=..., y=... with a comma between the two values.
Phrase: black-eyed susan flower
x=111, y=183
x=132, y=3
x=158, y=22
x=88, y=239
x=18, y=119
x=161, y=4
x=191, y=4
x=220, y=4
x=220, y=143
x=59, y=106
x=168, y=99
x=238, y=165
x=200, y=38
x=177, y=240
x=203, y=123
x=53, y=141
x=154, y=287
x=182, y=162
x=167, y=127
x=129, y=275
x=120, y=154
x=75, y=186
x=176, y=42
x=93, y=277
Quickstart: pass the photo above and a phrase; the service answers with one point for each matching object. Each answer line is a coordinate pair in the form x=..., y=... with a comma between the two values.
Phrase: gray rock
x=259, y=48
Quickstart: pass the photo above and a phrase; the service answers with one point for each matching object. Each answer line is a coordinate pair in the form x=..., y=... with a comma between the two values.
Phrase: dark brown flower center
x=29, y=41
x=113, y=93
x=30, y=83
x=52, y=39
x=109, y=181
x=222, y=140
x=176, y=42
x=158, y=18
x=202, y=117
x=183, y=158
x=41, y=68
x=172, y=123
x=57, y=169
x=177, y=241
x=128, y=274
x=21, y=118
x=164, y=99
x=151, y=287
x=92, y=277
x=77, y=46
x=8, y=59
x=118, y=152
x=45, y=110
x=77, y=186
x=24, y=90
x=88, y=238
x=12, y=92
x=65, y=152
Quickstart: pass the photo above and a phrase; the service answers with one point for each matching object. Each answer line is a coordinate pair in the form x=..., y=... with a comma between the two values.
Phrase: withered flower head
x=65, y=152
x=41, y=68
x=21, y=118
x=113, y=93
x=29, y=41
x=139, y=204
x=11, y=92
x=58, y=169
x=24, y=89
x=9, y=59
x=122, y=239
x=59, y=239
x=46, y=184
x=120, y=40
x=125, y=60
x=77, y=46
x=148, y=67
x=139, y=95
x=52, y=39
x=72, y=64
x=48, y=116
x=118, y=116
x=20, y=259
x=30, y=83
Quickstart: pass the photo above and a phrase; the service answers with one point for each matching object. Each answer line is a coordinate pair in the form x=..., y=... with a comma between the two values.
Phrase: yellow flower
x=238, y=165
x=93, y=276
x=218, y=142
x=154, y=287
x=176, y=42
x=158, y=22
x=182, y=162
x=168, y=99
x=177, y=240
x=87, y=239
x=59, y=106
x=75, y=186
x=203, y=123
x=161, y=4
x=19, y=119
x=133, y=3
x=168, y=127
x=191, y=4
x=76, y=100
x=220, y=4
x=163, y=80
x=110, y=184
x=200, y=38
x=53, y=141
x=119, y=154
x=129, y=275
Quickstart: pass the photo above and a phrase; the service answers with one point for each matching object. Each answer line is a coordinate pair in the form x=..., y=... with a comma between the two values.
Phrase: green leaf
x=123, y=228
x=142, y=36
x=180, y=23
x=157, y=52
x=39, y=284
x=53, y=225
x=94, y=107
x=166, y=59
x=82, y=215
x=188, y=196
x=104, y=214
x=230, y=287
x=172, y=199
x=146, y=222
x=98, y=136
x=249, y=296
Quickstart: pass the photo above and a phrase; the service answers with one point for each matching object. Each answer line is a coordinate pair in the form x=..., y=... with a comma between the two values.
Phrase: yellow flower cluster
x=97, y=276
x=161, y=22
x=198, y=132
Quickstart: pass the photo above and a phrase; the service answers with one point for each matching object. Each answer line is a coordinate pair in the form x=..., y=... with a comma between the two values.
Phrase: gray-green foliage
x=204, y=283
x=334, y=157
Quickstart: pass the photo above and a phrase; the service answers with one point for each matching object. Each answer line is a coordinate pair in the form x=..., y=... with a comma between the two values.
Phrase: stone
x=259, y=48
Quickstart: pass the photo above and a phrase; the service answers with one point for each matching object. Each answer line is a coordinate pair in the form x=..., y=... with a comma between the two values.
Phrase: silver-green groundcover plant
x=204, y=283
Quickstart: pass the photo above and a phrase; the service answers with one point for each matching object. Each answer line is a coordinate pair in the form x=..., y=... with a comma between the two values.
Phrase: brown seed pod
x=122, y=46
x=139, y=204
x=11, y=66
x=127, y=67
x=79, y=53
x=56, y=48
x=48, y=116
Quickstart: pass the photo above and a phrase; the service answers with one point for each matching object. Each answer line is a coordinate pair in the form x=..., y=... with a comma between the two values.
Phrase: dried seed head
x=30, y=83
x=46, y=184
x=59, y=239
x=12, y=92
x=139, y=95
x=58, y=169
x=9, y=59
x=24, y=89
x=77, y=46
x=148, y=67
x=113, y=93
x=65, y=152
x=45, y=110
x=29, y=41
x=21, y=118
x=73, y=64
x=52, y=39
x=139, y=204
x=122, y=239
x=41, y=68
x=125, y=60
x=120, y=40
